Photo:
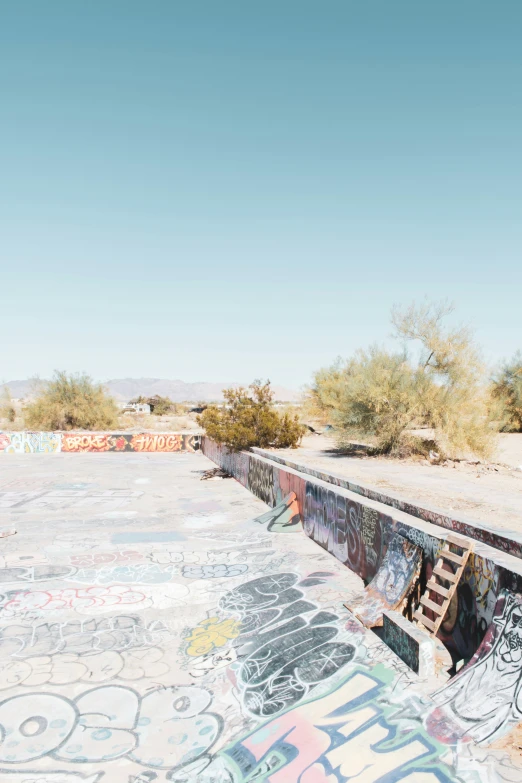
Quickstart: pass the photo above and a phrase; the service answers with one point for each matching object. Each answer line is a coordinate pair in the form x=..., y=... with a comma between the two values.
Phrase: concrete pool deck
x=152, y=630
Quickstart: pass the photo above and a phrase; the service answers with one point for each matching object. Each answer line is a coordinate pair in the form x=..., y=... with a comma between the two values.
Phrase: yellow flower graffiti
x=211, y=633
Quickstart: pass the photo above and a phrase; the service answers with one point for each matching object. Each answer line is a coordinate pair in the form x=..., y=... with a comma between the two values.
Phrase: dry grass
x=132, y=422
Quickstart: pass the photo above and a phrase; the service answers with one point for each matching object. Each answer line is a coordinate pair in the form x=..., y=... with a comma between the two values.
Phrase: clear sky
x=227, y=190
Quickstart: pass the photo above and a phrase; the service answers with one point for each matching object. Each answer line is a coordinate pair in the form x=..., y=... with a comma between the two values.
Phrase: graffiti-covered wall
x=357, y=531
x=33, y=442
x=506, y=540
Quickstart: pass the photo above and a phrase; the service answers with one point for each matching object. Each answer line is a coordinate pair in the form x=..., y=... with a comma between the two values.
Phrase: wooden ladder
x=451, y=577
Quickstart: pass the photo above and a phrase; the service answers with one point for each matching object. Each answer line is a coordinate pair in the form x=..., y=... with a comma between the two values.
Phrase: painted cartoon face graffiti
x=392, y=584
x=485, y=698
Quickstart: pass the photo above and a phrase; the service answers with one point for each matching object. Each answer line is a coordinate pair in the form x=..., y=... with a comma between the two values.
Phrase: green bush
x=507, y=393
x=248, y=419
x=380, y=395
x=71, y=401
x=371, y=395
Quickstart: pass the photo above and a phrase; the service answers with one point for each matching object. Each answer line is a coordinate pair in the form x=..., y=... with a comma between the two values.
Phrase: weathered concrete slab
x=151, y=629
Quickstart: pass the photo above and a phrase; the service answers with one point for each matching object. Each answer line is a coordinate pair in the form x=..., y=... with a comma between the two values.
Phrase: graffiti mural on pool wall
x=49, y=442
x=486, y=695
x=358, y=534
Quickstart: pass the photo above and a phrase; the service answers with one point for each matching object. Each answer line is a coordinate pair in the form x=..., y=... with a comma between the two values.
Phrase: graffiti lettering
x=261, y=481
x=210, y=634
x=282, y=652
x=35, y=573
x=145, y=442
x=62, y=669
x=120, y=632
x=104, y=558
x=81, y=599
x=341, y=736
x=30, y=442
x=144, y=573
x=166, y=729
x=213, y=571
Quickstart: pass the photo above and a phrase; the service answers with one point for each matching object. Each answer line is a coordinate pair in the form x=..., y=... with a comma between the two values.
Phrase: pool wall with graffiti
x=357, y=531
x=79, y=442
x=509, y=541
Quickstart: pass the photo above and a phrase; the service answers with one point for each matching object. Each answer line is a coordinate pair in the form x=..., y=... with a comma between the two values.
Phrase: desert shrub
x=248, y=419
x=71, y=401
x=160, y=406
x=7, y=408
x=370, y=395
x=163, y=406
x=506, y=391
x=380, y=395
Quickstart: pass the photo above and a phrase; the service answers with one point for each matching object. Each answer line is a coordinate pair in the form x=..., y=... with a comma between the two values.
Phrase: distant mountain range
x=124, y=389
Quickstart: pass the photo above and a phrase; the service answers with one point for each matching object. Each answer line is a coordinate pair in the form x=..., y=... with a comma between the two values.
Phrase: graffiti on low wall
x=49, y=442
x=30, y=442
x=358, y=534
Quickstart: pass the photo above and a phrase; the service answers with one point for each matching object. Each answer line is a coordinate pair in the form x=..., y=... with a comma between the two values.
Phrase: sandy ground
x=490, y=493
x=509, y=449
x=155, y=628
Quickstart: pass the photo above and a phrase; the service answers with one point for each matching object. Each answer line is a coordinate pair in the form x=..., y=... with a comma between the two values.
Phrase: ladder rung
x=424, y=620
x=429, y=604
x=447, y=555
x=463, y=543
x=437, y=588
x=448, y=575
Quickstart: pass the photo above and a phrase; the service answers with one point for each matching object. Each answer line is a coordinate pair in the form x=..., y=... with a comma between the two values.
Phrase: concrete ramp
x=391, y=585
x=484, y=700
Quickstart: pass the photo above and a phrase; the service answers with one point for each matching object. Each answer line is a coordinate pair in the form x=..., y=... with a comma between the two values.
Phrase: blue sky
x=223, y=191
